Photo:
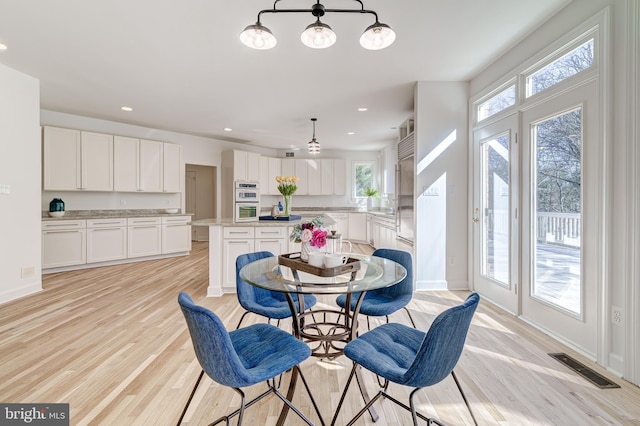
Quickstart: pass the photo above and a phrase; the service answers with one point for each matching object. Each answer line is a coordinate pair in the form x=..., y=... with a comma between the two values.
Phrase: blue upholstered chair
x=244, y=357
x=411, y=357
x=385, y=301
x=270, y=304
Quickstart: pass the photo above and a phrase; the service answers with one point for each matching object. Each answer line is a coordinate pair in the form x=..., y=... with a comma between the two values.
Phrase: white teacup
x=316, y=259
x=335, y=259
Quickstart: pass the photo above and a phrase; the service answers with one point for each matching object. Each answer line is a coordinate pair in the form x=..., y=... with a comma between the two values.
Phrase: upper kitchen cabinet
x=171, y=167
x=301, y=168
x=327, y=181
x=74, y=160
x=269, y=168
x=339, y=177
x=246, y=165
x=314, y=177
x=146, y=166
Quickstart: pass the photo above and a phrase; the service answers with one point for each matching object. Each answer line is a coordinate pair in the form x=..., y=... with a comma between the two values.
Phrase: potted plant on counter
x=371, y=194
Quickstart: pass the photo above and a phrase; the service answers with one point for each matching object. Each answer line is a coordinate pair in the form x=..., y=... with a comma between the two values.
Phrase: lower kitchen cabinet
x=69, y=243
x=176, y=234
x=358, y=227
x=63, y=243
x=106, y=240
x=237, y=240
x=144, y=236
x=273, y=239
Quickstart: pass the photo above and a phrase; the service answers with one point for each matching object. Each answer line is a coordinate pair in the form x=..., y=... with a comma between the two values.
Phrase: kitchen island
x=228, y=240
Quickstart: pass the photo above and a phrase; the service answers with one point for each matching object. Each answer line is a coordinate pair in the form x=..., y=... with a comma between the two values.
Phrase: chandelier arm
x=371, y=12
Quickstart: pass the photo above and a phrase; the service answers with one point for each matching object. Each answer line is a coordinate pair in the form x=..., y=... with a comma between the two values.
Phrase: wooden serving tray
x=293, y=261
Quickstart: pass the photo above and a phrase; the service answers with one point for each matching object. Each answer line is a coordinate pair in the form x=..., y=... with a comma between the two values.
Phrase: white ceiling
x=181, y=66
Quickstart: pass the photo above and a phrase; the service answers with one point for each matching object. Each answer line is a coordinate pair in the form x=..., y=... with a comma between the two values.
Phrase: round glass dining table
x=326, y=330
x=317, y=327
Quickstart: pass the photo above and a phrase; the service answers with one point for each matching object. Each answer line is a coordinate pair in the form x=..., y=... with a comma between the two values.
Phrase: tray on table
x=293, y=261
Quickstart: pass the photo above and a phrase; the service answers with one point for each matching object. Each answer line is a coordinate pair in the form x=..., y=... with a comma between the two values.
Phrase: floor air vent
x=586, y=372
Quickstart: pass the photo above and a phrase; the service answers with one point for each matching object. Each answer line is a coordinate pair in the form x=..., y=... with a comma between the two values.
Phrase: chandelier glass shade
x=313, y=144
x=319, y=35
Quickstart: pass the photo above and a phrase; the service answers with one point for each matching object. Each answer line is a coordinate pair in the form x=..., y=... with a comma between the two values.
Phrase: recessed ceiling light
x=351, y=133
x=363, y=109
x=227, y=129
x=126, y=108
x=3, y=46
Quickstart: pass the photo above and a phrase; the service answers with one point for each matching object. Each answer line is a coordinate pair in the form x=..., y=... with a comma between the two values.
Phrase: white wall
x=20, y=235
x=441, y=185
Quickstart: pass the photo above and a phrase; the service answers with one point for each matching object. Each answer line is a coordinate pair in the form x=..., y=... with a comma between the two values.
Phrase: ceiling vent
x=289, y=154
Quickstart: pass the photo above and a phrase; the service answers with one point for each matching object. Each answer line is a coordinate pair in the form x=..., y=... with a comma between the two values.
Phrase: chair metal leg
x=313, y=401
x=344, y=394
x=193, y=391
x=464, y=397
x=410, y=317
x=241, y=318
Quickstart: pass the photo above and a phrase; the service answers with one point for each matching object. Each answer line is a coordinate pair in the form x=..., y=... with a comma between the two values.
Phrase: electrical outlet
x=27, y=271
x=5, y=189
x=452, y=260
x=123, y=202
x=616, y=315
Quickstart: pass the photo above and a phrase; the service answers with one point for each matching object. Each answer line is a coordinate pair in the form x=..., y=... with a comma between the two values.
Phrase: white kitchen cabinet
x=126, y=164
x=246, y=165
x=342, y=224
x=151, y=162
x=327, y=179
x=63, y=243
x=144, y=236
x=314, y=177
x=237, y=240
x=106, y=240
x=270, y=167
x=288, y=167
x=97, y=161
x=273, y=239
x=292, y=246
x=176, y=234
x=146, y=166
x=75, y=160
x=358, y=226
x=339, y=177
x=384, y=232
x=301, y=168
x=171, y=167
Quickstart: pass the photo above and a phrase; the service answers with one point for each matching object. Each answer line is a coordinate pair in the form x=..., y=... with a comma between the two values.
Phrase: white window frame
x=355, y=164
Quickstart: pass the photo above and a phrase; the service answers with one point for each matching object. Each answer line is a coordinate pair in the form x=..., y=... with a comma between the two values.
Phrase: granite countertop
x=110, y=214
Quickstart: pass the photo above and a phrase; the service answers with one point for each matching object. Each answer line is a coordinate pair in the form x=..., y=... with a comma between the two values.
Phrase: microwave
x=246, y=212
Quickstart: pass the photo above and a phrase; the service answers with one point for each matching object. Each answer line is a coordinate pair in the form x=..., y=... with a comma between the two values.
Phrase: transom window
x=497, y=103
x=575, y=61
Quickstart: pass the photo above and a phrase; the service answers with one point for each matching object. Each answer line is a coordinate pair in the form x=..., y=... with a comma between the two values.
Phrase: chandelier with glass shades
x=314, y=145
x=319, y=35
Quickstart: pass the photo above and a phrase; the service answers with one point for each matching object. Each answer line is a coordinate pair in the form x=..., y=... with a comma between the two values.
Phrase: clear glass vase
x=287, y=205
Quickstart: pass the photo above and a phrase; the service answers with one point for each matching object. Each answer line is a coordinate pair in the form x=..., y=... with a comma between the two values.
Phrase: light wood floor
x=112, y=342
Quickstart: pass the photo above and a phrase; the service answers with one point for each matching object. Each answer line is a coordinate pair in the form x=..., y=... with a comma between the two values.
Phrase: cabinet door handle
x=238, y=242
x=143, y=227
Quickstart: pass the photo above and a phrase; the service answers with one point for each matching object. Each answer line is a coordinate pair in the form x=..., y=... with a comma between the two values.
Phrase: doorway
x=200, y=197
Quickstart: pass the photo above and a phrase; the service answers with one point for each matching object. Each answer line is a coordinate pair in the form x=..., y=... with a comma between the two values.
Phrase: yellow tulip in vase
x=287, y=187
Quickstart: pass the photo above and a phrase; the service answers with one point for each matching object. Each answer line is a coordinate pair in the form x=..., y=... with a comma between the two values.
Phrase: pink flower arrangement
x=311, y=232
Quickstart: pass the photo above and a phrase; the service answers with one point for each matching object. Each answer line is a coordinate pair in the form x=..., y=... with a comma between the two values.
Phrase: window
x=577, y=60
x=497, y=103
x=362, y=178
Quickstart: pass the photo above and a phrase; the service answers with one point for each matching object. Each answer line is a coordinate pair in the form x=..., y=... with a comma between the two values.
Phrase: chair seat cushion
x=265, y=351
x=387, y=350
x=275, y=306
x=374, y=304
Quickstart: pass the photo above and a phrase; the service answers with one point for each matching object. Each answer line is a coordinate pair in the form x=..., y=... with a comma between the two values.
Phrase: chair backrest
x=442, y=345
x=212, y=345
x=245, y=291
x=404, y=287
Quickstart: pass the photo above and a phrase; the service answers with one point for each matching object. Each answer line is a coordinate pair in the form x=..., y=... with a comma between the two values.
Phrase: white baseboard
x=23, y=291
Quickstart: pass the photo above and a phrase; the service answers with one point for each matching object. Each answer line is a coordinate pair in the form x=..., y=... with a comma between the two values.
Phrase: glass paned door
x=557, y=147
x=562, y=216
x=495, y=235
x=495, y=225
